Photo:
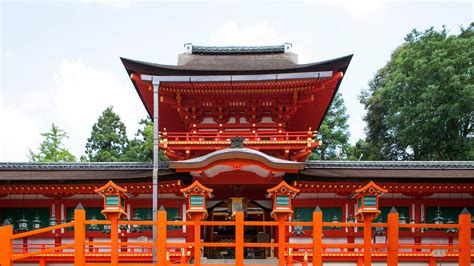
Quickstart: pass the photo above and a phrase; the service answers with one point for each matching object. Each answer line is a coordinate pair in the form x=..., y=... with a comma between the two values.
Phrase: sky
x=59, y=60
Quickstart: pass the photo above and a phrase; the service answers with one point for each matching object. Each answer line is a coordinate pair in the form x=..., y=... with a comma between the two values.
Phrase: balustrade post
x=392, y=238
x=239, y=238
x=367, y=242
x=114, y=238
x=79, y=235
x=464, y=223
x=161, y=236
x=6, y=247
x=197, y=239
x=281, y=240
x=317, y=237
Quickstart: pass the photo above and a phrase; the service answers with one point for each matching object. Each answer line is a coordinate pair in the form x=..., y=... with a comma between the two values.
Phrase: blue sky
x=60, y=60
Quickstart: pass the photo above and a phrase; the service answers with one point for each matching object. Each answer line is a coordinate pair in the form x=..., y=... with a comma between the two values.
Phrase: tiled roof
x=236, y=50
x=33, y=166
x=309, y=165
x=392, y=164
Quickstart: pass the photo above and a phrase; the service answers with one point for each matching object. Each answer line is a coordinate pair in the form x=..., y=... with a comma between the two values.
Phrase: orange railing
x=272, y=135
x=86, y=253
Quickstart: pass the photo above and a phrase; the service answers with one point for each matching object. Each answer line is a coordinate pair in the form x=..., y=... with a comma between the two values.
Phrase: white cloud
x=80, y=94
x=232, y=33
x=114, y=3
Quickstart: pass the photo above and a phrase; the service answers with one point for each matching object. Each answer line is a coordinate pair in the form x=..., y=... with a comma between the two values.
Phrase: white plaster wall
x=48, y=242
x=68, y=241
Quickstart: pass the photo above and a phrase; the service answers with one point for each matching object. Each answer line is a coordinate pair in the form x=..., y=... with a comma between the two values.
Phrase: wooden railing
x=167, y=253
x=249, y=136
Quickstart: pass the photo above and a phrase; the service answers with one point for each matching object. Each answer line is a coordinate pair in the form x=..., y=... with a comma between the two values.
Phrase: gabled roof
x=281, y=185
x=371, y=184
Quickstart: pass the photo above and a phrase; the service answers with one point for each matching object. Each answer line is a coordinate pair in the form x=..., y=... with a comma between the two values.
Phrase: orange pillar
x=6, y=232
x=239, y=238
x=197, y=239
x=392, y=238
x=367, y=242
x=317, y=237
x=281, y=240
x=432, y=261
x=161, y=238
x=79, y=235
x=114, y=239
x=464, y=238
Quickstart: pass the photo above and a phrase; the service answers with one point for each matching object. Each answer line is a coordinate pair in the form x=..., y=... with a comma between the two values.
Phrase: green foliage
x=140, y=149
x=334, y=132
x=52, y=148
x=108, y=139
x=420, y=104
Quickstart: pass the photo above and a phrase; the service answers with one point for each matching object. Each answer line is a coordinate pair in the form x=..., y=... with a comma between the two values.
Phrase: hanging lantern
x=36, y=223
x=10, y=220
x=423, y=229
x=379, y=230
x=93, y=226
x=23, y=224
x=351, y=219
x=298, y=229
x=52, y=220
x=176, y=218
x=450, y=230
x=412, y=220
x=335, y=219
x=148, y=218
x=439, y=219
x=136, y=228
x=71, y=219
x=106, y=229
x=402, y=219
x=124, y=227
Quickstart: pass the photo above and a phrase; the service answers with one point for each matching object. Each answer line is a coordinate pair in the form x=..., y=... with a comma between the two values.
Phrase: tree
x=52, y=148
x=420, y=104
x=140, y=149
x=108, y=139
x=334, y=133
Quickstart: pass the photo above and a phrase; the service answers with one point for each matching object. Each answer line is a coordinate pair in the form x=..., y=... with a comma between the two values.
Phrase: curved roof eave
x=337, y=64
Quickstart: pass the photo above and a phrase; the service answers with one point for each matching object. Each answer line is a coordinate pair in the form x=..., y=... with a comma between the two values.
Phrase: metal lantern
x=351, y=219
x=136, y=228
x=23, y=224
x=176, y=218
x=36, y=223
x=94, y=226
x=335, y=219
x=412, y=220
x=52, y=220
x=379, y=230
x=71, y=219
x=106, y=229
x=402, y=219
x=423, y=229
x=439, y=219
x=123, y=227
x=148, y=218
x=298, y=229
x=450, y=230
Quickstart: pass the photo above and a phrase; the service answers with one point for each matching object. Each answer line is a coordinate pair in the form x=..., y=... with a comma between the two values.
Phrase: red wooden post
x=239, y=238
x=79, y=235
x=281, y=240
x=392, y=238
x=464, y=238
x=161, y=238
x=367, y=242
x=6, y=232
x=197, y=238
x=317, y=237
x=114, y=239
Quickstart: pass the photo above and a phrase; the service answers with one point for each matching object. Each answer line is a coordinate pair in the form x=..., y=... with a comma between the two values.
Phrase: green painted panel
x=283, y=201
x=359, y=202
x=90, y=212
x=385, y=210
x=197, y=200
x=370, y=201
x=112, y=201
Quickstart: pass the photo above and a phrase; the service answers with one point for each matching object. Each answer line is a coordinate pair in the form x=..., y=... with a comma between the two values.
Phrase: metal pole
x=155, y=166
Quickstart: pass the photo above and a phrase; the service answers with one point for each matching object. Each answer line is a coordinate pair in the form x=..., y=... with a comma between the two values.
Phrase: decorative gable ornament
x=368, y=201
x=282, y=194
x=114, y=199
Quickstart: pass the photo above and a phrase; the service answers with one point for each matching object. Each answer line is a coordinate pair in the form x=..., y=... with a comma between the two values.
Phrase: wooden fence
x=181, y=253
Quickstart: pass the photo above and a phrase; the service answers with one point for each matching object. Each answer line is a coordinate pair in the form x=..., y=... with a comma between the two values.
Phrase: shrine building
x=237, y=124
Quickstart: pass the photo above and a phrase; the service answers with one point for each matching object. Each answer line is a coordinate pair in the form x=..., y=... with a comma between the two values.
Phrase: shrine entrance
x=222, y=211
